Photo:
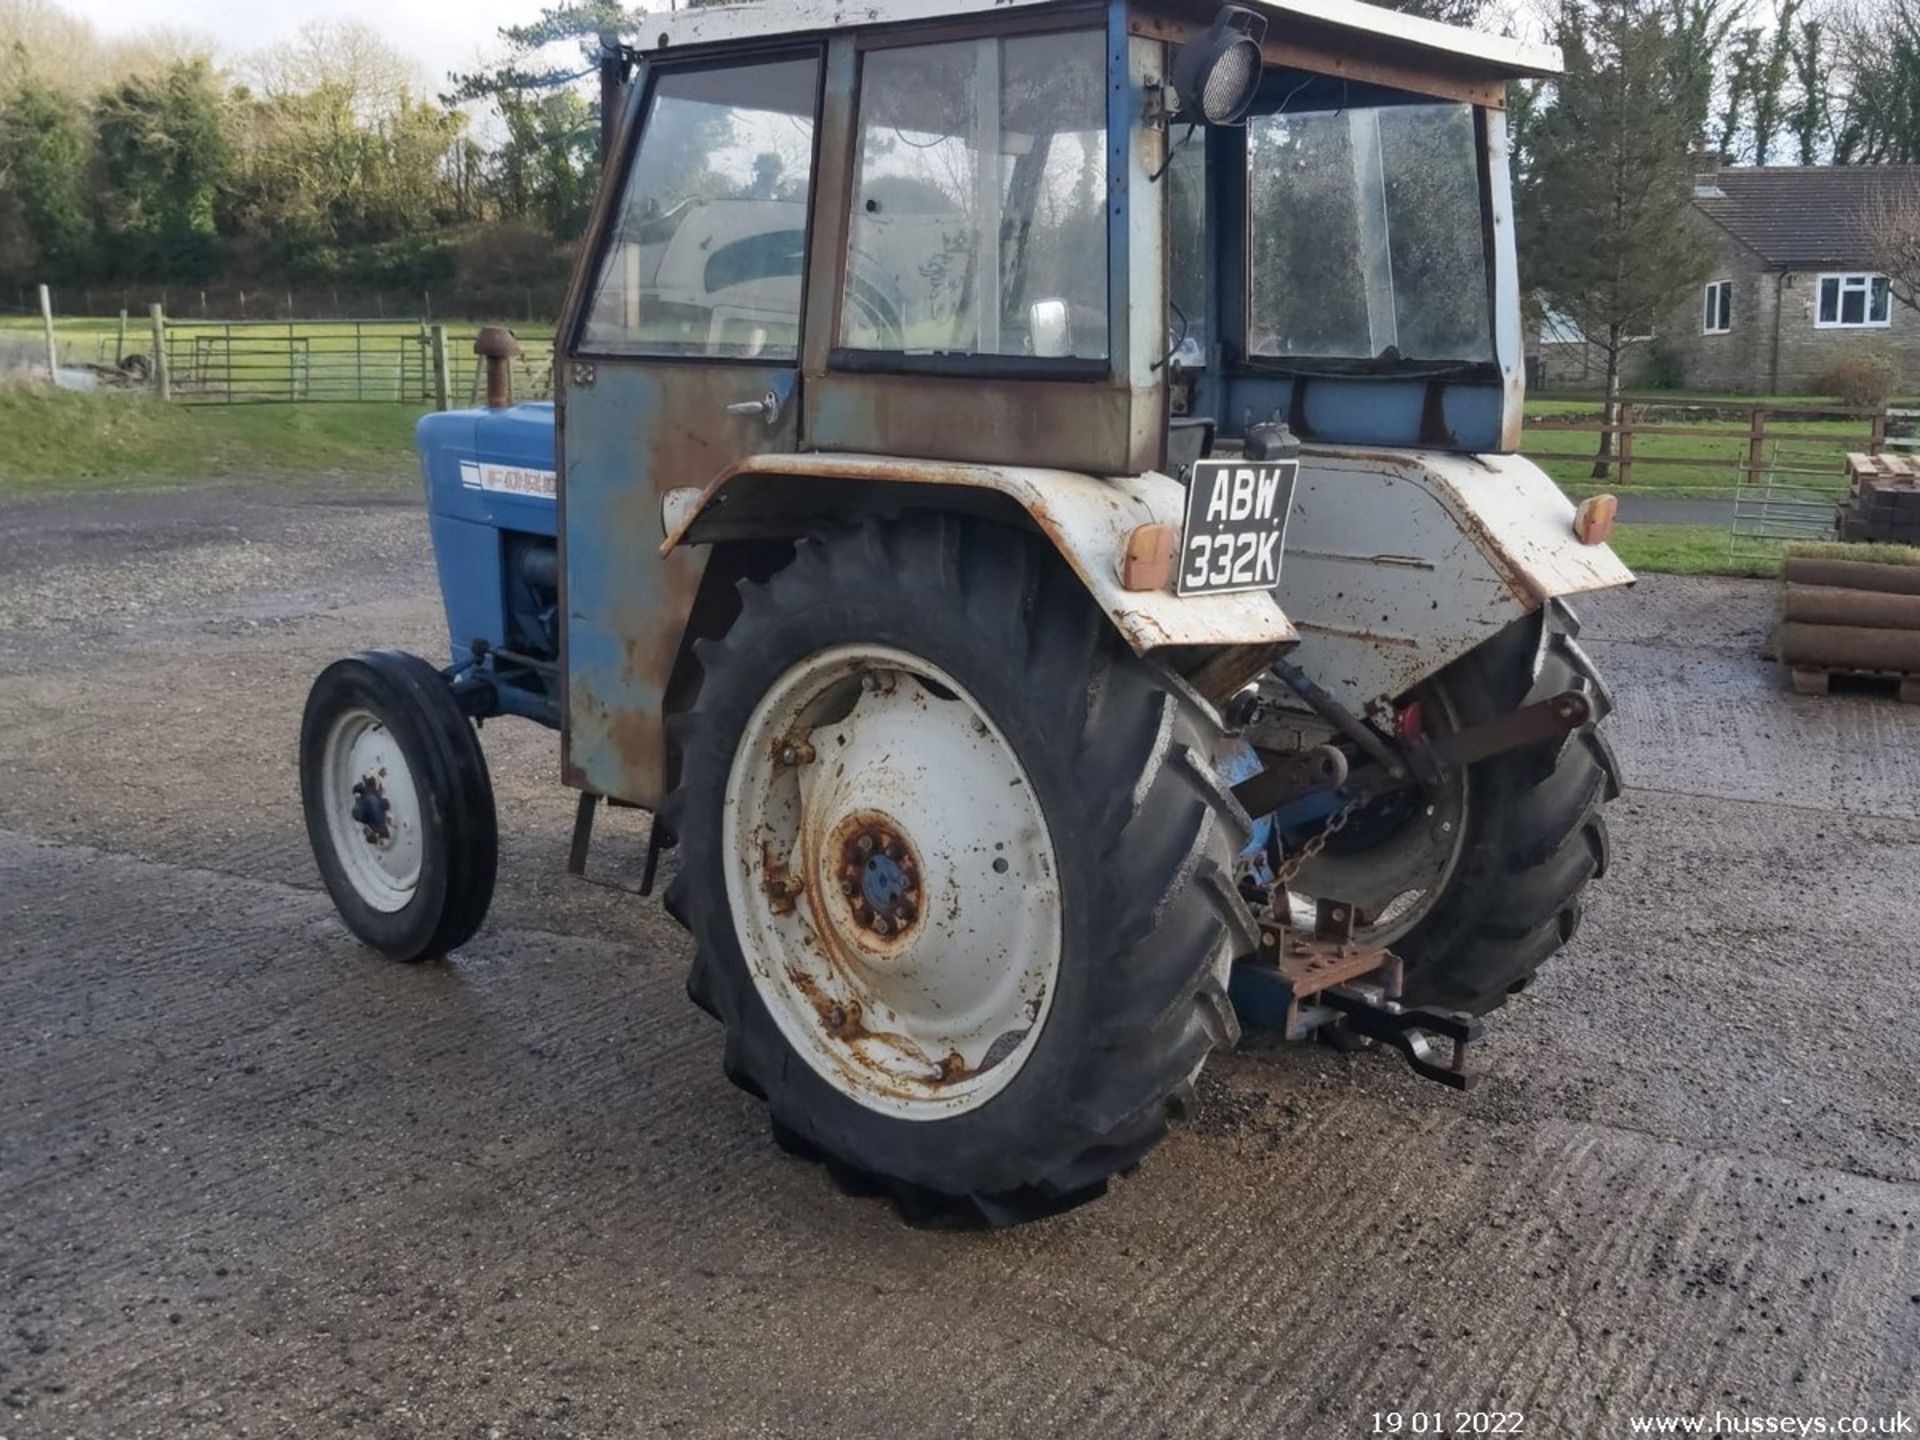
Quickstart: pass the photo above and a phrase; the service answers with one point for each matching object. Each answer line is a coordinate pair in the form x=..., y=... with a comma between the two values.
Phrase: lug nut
x=882, y=925
x=846, y=887
x=864, y=844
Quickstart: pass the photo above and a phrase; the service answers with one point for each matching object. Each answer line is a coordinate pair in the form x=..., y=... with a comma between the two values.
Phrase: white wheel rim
x=372, y=809
x=1397, y=883
x=922, y=993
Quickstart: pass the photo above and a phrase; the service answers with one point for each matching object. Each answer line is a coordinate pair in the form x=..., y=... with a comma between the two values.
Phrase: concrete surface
x=256, y=1182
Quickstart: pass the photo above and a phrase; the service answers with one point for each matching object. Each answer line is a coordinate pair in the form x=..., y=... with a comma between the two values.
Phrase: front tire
x=398, y=803
x=993, y=1005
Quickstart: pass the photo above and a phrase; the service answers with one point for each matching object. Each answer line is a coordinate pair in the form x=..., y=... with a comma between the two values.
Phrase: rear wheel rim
x=1395, y=884
x=373, y=810
x=892, y=880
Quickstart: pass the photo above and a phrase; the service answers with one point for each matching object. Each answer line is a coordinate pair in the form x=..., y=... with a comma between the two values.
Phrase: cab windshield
x=1366, y=236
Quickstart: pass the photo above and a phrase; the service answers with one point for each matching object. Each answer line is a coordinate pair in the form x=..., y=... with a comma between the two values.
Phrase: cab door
x=680, y=358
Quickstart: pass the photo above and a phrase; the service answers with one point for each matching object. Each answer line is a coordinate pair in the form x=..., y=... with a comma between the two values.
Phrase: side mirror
x=1048, y=330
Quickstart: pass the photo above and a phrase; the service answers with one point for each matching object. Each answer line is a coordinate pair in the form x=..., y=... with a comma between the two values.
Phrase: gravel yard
x=254, y=1181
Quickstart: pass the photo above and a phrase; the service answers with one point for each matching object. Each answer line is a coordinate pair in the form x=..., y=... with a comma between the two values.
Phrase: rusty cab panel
x=805, y=223
x=681, y=347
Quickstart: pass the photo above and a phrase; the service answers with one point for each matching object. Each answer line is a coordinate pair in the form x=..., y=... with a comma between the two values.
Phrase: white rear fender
x=1088, y=518
x=1400, y=562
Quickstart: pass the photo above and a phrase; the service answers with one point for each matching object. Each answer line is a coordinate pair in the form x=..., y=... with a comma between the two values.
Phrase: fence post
x=1879, y=441
x=1756, y=442
x=1623, y=451
x=46, y=318
x=160, y=376
x=120, y=344
x=442, y=381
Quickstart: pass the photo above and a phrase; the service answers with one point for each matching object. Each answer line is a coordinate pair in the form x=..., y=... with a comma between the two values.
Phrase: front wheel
x=398, y=804
x=958, y=870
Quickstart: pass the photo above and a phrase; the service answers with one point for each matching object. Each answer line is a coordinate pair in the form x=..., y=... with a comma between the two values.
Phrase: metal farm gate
x=227, y=362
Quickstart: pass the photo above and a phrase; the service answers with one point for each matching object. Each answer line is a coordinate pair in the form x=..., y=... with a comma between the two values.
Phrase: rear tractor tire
x=958, y=869
x=1495, y=868
x=398, y=804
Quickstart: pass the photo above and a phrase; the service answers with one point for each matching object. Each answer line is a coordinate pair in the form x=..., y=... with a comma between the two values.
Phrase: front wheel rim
x=373, y=810
x=892, y=882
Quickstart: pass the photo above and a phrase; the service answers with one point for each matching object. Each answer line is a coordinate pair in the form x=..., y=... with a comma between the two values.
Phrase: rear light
x=1593, y=519
x=1147, y=561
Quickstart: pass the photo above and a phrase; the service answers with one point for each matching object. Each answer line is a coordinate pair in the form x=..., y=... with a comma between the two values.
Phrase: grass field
x=54, y=440
x=1684, y=550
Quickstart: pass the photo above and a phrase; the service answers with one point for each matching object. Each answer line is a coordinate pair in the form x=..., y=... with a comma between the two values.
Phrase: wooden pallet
x=1817, y=680
x=1881, y=467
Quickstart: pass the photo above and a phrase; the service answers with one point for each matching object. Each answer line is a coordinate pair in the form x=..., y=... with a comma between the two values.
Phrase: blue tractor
x=1030, y=510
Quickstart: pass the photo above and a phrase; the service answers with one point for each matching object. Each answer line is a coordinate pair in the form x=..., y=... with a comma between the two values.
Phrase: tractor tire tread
x=1163, y=918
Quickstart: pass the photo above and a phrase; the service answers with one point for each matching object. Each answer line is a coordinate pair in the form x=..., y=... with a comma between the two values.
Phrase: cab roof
x=1350, y=22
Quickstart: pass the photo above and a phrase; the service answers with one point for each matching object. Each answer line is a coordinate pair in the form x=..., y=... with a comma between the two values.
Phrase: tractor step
x=583, y=841
x=1301, y=982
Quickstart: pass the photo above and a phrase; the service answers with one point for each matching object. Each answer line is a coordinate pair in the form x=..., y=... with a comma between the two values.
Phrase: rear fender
x=1088, y=519
x=1398, y=563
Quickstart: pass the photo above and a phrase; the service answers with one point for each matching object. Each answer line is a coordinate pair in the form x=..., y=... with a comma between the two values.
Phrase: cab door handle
x=767, y=407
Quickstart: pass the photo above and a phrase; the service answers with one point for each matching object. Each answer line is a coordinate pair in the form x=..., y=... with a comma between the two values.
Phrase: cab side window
x=708, y=249
x=979, y=207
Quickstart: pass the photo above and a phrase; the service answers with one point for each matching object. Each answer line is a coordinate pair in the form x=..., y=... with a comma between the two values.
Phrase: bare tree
x=45, y=44
x=1892, y=224
x=344, y=57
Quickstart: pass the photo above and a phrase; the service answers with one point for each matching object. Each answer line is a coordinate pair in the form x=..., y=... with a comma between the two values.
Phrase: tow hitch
x=1306, y=982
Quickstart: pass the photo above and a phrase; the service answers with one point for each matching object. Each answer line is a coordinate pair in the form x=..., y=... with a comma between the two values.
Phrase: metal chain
x=1291, y=866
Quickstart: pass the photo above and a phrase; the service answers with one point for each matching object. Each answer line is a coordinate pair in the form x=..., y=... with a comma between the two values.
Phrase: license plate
x=1236, y=525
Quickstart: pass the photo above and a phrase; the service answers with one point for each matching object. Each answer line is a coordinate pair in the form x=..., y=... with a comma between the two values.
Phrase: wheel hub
x=881, y=878
x=370, y=809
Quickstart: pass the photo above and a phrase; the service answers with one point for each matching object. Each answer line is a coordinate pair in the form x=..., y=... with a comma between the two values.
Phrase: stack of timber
x=1850, y=610
x=1883, y=500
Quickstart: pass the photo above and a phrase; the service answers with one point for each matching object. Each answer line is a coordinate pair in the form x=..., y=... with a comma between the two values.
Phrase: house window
x=1853, y=300
x=1716, y=318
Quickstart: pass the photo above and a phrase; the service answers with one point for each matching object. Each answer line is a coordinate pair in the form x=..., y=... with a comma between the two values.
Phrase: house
x=1792, y=286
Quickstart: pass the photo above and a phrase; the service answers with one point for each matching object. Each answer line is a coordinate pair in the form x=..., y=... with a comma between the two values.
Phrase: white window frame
x=1854, y=280
x=1715, y=302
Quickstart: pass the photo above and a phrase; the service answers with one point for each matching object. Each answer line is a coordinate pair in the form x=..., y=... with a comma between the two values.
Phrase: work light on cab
x=1215, y=77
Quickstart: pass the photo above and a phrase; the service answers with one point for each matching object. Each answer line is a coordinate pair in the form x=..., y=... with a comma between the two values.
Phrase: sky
x=439, y=35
